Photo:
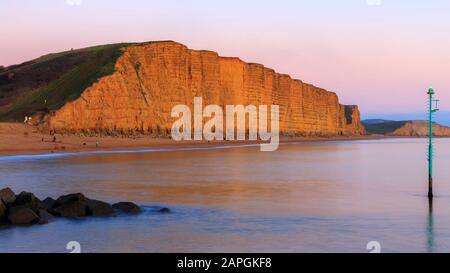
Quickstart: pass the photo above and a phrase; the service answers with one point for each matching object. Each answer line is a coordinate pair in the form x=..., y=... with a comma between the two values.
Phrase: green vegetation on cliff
x=382, y=127
x=47, y=83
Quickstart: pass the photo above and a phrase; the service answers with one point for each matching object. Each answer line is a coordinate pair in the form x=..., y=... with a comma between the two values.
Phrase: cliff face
x=151, y=78
x=420, y=129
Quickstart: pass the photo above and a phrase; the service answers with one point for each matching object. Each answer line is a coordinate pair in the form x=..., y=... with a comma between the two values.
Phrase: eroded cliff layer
x=151, y=78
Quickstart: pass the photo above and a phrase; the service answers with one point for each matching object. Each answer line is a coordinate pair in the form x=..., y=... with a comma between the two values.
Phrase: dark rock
x=49, y=202
x=164, y=210
x=44, y=217
x=69, y=198
x=22, y=216
x=98, y=208
x=2, y=212
x=27, y=199
x=71, y=209
x=7, y=196
x=127, y=207
x=26, y=208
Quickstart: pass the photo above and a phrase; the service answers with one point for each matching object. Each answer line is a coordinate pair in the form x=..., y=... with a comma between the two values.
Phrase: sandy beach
x=21, y=139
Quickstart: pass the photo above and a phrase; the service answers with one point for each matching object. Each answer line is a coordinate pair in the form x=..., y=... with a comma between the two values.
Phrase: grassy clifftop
x=49, y=82
x=382, y=127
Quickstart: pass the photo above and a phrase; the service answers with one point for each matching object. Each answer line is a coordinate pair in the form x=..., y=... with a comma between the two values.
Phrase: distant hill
x=49, y=82
x=442, y=117
x=417, y=128
x=375, y=121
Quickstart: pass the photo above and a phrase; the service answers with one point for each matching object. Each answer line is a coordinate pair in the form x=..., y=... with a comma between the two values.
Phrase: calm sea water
x=310, y=197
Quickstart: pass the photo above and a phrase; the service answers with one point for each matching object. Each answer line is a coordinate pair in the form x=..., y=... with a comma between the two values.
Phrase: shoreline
x=23, y=140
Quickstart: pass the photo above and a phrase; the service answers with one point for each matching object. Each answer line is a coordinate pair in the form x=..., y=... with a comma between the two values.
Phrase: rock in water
x=22, y=216
x=98, y=208
x=164, y=210
x=70, y=205
x=49, y=202
x=71, y=209
x=69, y=198
x=27, y=199
x=7, y=196
x=27, y=209
x=127, y=207
x=44, y=217
x=2, y=212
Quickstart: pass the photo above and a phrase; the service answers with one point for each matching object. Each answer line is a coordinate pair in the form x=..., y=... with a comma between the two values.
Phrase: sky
x=379, y=54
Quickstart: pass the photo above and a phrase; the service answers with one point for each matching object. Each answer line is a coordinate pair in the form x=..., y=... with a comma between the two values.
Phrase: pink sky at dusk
x=380, y=57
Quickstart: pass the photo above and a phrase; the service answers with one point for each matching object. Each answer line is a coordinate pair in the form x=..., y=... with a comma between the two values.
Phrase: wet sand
x=21, y=139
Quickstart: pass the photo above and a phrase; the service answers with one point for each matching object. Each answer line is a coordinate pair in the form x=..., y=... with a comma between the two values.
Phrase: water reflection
x=332, y=197
x=430, y=227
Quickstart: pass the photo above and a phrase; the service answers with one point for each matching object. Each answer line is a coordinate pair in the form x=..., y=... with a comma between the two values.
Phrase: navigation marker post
x=431, y=112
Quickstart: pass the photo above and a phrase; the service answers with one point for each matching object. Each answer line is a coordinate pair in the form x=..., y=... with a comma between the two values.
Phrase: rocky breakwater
x=151, y=78
x=26, y=209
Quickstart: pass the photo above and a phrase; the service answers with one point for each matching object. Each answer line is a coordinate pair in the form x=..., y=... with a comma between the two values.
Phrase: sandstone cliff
x=151, y=78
